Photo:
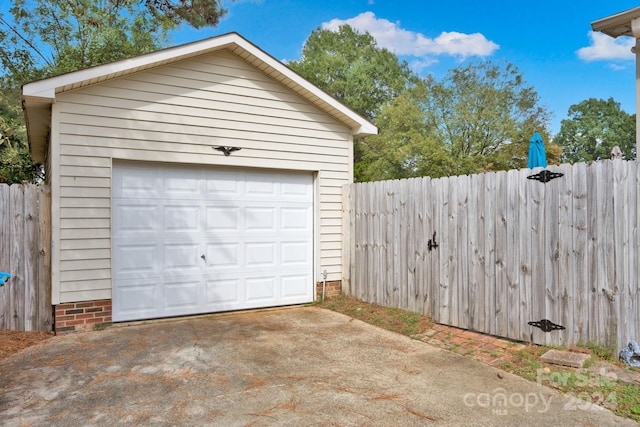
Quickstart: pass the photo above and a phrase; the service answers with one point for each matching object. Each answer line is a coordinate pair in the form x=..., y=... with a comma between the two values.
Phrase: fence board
x=435, y=255
x=389, y=243
x=501, y=250
x=462, y=252
x=479, y=307
x=565, y=280
x=607, y=321
x=634, y=254
x=17, y=287
x=474, y=254
x=523, y=235
x=410, y=242
x=5, y=252
x=512, y=265
x=489, y=254
x=620, y=248
x=550, y=280
x=452, y=247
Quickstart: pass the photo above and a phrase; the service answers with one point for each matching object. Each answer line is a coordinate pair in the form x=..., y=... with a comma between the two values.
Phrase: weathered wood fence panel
x=507, y=250
x=25, y=239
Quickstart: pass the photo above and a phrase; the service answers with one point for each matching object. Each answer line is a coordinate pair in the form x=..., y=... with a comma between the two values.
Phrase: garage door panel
x=260, y=254
x=181, y=294
x=181, y=183
x=181, y=258
x=136, y=260
x=294, y=286
x=296, y=188
x=221, y=183
x=260, y=185
x=224, y=218
x=223, y=255
x=135, y=218
x=137, y=182
x=223, y=292
x=195, y=240
x=295, y=253
x=181, y=218
x=137, y=298
x=262, y=289
x=260, y=219
x=295, y=218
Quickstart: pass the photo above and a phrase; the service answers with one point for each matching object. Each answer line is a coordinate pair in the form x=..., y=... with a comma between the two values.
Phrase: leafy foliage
x=593, y=128
x=485, y=114
x=405, y=146
x=197, y=13
x=479, y=118
x=351, y=67
x=58, y=36
x=15, y=163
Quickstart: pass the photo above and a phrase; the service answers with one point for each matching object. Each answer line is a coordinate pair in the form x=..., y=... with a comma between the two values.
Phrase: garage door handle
x=203, y=257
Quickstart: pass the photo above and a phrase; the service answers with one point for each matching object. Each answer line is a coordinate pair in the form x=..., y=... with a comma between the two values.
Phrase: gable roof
x=38, y=96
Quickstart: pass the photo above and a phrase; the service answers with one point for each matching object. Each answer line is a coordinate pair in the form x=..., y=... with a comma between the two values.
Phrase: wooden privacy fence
x=25, y=300
x=507, y=251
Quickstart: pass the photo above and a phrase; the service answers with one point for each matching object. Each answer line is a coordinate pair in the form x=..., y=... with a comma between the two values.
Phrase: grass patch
x=393, y=319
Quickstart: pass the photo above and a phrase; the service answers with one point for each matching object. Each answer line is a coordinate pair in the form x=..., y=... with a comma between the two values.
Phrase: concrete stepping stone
x=565, y=358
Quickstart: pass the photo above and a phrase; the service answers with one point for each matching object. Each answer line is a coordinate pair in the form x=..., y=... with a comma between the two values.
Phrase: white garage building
x=152, y=218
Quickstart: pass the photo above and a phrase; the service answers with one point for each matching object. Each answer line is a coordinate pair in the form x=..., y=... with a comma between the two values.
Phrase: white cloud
x=419, y=65
x=605, y=48
x=391, y=36
x=616, y=67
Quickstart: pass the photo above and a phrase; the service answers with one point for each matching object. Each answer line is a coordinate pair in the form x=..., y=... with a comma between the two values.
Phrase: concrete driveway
x=297, y=366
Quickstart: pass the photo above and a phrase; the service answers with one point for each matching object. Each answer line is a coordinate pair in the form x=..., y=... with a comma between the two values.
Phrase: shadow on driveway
x=296, y=366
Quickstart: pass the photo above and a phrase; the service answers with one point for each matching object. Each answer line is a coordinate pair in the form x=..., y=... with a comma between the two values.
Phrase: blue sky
x=550, y=41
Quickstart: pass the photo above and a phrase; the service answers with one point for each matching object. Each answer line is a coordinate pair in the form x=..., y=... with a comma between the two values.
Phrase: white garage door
x=190, y=240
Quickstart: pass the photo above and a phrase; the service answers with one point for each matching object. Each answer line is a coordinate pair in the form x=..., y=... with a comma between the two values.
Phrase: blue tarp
x=537, y=155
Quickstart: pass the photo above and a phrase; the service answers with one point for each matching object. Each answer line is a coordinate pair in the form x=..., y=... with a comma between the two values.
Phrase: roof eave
x=617, y=25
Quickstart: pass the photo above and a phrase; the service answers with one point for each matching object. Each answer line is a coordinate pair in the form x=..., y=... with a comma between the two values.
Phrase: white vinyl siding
x=176, y=114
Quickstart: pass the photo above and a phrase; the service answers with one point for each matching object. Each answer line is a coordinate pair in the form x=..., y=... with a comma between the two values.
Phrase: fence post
x=347, y=240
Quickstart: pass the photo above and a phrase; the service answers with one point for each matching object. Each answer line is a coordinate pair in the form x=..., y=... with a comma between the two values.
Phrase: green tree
x=44, y=38
x=352, y=68
x=405, y=146
x=58, y=36
x=15, y=163
x=485, y=114
x=593, y=128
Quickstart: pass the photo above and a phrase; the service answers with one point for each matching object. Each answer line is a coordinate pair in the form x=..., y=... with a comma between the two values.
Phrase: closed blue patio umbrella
x=4, y=277
x=537, y=155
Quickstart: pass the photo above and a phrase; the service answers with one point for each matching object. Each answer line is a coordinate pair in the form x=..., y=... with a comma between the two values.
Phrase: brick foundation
x=78, y=316
x=333, y=289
